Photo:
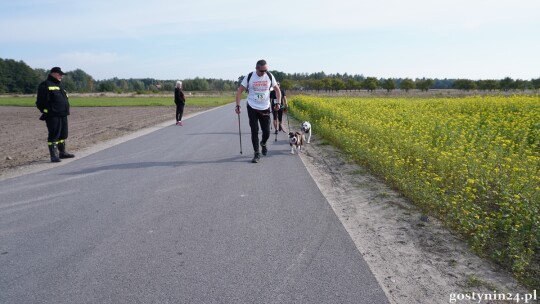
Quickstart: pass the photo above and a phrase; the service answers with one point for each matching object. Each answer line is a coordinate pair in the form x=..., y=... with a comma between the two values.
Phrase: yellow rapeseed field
x=473, y=162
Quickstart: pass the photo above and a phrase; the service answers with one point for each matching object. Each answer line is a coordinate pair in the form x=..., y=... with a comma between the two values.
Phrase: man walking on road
x=258, y=86
x=52, y=101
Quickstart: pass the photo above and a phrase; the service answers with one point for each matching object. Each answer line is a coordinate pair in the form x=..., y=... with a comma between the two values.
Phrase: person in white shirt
x=258, y=85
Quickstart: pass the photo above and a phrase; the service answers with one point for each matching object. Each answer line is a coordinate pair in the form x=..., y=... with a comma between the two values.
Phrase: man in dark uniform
x=52, y=101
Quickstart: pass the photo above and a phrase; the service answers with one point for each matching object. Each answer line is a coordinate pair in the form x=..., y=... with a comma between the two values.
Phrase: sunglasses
x=263, y=71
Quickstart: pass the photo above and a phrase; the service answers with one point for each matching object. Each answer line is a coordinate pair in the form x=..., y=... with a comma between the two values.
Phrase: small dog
x=296, y=140
x=306, y=129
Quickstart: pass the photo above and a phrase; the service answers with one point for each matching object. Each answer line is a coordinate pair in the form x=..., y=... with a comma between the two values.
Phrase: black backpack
x=267, y=73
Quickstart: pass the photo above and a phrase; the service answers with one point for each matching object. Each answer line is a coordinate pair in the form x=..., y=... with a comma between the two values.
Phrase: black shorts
x=278, y=115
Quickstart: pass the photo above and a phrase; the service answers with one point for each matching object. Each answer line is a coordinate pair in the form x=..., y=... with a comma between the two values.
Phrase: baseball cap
x=57, y=70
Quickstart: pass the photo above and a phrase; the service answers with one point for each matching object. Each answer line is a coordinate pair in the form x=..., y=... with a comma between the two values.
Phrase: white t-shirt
x=259, y=90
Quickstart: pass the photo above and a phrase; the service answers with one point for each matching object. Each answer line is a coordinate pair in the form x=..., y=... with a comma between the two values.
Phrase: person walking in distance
x=258, y=84
x=278, y=114
x=180, y=101
x=52, y=101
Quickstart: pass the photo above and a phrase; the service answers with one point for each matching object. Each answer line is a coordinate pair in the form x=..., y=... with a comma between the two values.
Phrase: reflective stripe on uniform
x=45, y=111
x=54, y=88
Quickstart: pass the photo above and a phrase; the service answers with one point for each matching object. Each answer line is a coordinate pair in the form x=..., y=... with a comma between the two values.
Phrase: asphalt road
x=178, y=216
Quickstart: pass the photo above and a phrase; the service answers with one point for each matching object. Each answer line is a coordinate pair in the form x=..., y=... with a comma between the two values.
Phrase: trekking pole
x=288, y=126
x=239, y=133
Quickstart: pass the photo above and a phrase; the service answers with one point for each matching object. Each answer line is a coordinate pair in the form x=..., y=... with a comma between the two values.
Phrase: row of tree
x=17, y=77
x=333, y=83
x=321, y=81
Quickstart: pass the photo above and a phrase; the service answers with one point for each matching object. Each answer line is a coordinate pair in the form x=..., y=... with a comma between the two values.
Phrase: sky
x=179, y=39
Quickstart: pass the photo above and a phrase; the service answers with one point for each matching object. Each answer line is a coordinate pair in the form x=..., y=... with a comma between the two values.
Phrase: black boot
x=53, y=150
x=63, y=153
x=264, y=149
x=256, y=157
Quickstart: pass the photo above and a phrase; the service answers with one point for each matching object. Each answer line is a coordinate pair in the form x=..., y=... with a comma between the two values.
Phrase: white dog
x=306, y=128
x=296, y=140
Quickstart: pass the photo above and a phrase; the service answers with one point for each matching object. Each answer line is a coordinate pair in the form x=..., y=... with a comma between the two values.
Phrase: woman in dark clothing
x=180, y=101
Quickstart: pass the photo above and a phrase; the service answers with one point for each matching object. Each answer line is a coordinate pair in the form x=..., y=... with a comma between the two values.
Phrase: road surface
x=178, y=216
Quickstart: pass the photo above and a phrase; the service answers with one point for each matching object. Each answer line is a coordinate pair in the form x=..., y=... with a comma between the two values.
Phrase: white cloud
x=94, y=63
x=211, y=38
x=89, y=58
x=137, y=19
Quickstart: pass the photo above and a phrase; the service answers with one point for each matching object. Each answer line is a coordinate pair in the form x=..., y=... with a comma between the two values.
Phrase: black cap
x=57, y=70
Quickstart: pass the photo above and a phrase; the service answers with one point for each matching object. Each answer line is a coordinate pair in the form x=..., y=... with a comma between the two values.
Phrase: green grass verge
x=207, y=101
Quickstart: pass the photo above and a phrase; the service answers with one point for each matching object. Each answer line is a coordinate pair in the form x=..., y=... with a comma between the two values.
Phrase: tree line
x=16, y=77
x=336, y=82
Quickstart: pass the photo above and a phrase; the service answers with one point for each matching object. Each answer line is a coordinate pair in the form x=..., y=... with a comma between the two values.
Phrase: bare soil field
x=23, y=137
x=414, y=258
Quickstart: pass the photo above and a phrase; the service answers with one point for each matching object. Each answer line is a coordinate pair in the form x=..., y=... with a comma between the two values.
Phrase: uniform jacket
x=52, y=98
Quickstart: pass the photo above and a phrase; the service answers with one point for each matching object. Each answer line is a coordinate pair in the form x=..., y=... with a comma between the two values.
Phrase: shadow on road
x=139, y=165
